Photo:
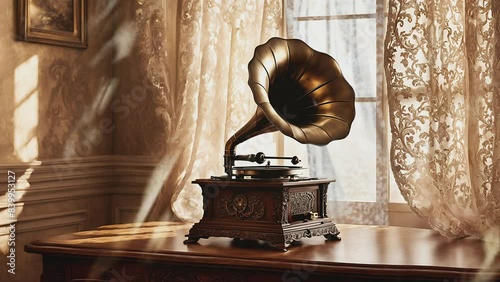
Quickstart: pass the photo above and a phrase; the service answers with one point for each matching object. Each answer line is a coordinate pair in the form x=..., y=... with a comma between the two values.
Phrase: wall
x=53, y=102
x=146, y=79
x=63, y=86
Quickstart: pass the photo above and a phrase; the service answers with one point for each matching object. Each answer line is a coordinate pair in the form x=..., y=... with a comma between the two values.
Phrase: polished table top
x=362, y=249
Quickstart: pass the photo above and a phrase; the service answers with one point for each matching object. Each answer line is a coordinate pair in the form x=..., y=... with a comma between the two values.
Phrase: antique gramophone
x=303, y=94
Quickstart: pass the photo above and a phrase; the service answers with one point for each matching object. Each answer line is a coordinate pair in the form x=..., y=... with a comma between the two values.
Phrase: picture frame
x=59, y=22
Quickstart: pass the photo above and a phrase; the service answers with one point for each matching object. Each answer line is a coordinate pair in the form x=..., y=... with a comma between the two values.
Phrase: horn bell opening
x=302, y=92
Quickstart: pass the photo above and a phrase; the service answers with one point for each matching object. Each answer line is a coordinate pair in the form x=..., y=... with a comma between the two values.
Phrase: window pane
x=333, y=7
x=351, y=40
x=351, y=161
x=352, y=43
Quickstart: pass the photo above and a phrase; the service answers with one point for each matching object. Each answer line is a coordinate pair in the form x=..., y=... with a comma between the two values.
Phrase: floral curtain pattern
x=442, y=64
x=211, y=100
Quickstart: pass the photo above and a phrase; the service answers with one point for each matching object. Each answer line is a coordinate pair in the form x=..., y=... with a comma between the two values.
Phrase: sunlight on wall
x=22, y=185
x=26, y=111
x=25, y=141
x=153, y=189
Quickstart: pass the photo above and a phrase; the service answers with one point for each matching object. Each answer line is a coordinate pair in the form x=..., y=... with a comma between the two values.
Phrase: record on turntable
x=266, y=171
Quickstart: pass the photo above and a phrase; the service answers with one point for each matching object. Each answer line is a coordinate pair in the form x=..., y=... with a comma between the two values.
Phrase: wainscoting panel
x=132, y=175
x=59, y=196
x=125, y=214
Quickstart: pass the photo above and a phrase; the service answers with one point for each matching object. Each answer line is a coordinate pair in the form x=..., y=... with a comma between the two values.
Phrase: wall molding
x=118, y=180
x=119, y=211
x=48, y=221
x=60, y=179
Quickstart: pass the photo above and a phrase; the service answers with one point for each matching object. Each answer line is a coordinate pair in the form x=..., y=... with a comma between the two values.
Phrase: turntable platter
x=266, y=171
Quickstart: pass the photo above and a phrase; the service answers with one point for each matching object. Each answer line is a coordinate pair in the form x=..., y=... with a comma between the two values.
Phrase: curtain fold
x=442, y=68
x=216, y=40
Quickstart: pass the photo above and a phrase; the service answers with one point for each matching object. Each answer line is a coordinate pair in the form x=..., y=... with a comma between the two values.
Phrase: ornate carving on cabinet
x=329, y=232
x=292, y=212
x=323, y=188
x=302, y=202
x=240, y=207
x=284, y=204
x=276, y=199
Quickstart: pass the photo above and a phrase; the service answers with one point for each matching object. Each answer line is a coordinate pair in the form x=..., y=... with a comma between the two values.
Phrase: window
x=352, y=32
x=347, y=31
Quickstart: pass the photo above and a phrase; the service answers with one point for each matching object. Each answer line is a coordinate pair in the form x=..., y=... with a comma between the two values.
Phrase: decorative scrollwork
x=276, y=200
x=308, y=233
x=323, y=189
x=303, y=202
x=284, y=205
x=241, y=207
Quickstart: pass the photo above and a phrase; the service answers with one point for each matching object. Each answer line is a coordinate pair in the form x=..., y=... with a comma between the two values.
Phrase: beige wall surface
x=49, y=94
x=146, y=76
x=55, y=135
x=138, y=128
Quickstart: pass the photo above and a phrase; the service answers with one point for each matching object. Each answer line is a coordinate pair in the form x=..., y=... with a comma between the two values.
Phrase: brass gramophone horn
x=300, y=92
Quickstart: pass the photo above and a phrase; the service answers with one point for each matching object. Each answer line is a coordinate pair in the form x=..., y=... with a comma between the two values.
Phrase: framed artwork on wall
x=60, y=22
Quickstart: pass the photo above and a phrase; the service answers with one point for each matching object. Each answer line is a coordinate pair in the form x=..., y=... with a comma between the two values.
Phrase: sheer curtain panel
x=442, y=60
x=211, y=98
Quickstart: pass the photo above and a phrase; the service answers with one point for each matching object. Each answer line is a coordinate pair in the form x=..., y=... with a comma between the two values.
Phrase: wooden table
x=154, y=252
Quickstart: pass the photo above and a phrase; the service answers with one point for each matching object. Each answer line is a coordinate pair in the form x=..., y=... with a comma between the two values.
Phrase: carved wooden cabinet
x=278, y=212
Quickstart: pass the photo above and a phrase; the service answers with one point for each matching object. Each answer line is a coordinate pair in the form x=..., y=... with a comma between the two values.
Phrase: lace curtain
x=443, y=68
x=211, y=100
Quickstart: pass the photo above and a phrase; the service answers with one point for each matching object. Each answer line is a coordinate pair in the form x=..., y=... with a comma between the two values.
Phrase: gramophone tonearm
x=260, y=158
